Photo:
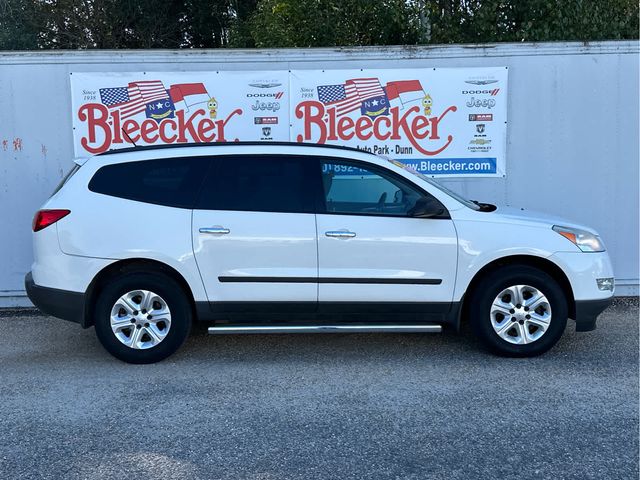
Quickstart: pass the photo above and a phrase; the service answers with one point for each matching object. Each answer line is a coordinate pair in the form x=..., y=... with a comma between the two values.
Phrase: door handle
x=340, y=234
x=215, y=230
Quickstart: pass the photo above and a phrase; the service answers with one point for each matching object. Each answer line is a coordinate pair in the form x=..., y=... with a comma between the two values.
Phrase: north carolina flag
x=404, y=91
x=189, y=93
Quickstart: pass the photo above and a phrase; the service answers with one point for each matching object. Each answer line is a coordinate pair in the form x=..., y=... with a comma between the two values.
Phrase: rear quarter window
x=173, y=182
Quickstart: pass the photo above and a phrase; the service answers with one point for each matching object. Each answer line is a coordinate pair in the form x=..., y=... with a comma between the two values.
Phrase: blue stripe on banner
x=430, y=166
x=452, y=166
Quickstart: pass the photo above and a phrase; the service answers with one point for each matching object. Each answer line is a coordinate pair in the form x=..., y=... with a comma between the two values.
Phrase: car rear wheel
x=142, y=317
x=518, y=311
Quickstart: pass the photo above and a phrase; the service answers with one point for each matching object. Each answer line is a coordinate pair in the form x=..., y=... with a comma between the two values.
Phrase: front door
x=254, y=232
x=371, y=249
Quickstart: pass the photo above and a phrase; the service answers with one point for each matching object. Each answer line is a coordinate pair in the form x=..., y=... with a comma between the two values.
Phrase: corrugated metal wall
x=572, y=145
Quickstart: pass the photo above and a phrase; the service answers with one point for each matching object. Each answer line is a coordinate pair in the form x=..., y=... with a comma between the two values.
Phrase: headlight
x=585, y=241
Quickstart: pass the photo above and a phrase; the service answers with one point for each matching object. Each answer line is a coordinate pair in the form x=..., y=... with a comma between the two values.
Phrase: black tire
x=171, y=293
x=479, y=309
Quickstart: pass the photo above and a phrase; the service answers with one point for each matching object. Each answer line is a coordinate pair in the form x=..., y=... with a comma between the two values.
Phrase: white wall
x=572, y=145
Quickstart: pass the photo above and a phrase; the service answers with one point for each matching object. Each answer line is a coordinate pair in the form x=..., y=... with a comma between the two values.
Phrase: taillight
x=44, y=218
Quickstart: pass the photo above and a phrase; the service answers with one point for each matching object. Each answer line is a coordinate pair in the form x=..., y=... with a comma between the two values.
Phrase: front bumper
x=58, y=303
x=587, y=312
x=583, y=270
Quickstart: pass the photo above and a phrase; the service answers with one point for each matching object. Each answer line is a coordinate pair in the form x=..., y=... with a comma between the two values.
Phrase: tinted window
x=261, y=183
x=355, y=189
x=174, y=182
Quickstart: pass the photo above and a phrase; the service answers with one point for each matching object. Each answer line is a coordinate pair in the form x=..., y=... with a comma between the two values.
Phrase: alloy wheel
x=140, y=319
x=520, y=314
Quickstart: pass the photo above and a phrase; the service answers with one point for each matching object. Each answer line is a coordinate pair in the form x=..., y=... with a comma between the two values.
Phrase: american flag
x=349, y=97
x=132, y=99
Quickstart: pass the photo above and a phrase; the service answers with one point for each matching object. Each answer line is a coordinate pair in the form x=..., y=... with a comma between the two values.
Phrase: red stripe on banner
x=181, y=90
x=394, y=89
x=131, y=107
x=404, y=86
x=349, y=104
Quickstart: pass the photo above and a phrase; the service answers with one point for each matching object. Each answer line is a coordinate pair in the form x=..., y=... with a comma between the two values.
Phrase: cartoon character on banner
x=212, y=105
x=427, y=103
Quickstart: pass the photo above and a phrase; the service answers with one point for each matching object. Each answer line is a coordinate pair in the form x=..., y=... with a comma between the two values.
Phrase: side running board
x=239, y=329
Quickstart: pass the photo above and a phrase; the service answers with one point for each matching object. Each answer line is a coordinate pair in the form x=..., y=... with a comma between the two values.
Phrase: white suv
x=278, y=237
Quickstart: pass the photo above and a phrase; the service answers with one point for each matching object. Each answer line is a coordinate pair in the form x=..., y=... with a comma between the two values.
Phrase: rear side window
x=173, y=182
x=261, y=183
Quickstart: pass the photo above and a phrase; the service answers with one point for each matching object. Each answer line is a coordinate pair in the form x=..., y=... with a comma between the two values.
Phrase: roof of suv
x=226, y=144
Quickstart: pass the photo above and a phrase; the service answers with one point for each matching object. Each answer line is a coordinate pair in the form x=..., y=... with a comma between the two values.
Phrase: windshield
x=431, y=181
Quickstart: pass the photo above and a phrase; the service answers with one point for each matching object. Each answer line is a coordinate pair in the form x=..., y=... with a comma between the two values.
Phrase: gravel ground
x=397, y=406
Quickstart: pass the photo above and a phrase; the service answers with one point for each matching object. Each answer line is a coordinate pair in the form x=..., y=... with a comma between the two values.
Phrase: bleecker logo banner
x=446, y=122
x=110, y=109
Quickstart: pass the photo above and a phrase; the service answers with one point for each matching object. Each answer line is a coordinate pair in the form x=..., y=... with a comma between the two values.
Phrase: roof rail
x=213, y=144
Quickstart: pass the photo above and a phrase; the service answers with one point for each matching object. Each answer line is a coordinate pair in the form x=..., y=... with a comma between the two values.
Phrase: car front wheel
x=518, y=311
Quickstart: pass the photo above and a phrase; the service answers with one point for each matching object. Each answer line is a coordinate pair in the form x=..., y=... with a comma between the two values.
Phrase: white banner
x=110, y=109
x=444, y=122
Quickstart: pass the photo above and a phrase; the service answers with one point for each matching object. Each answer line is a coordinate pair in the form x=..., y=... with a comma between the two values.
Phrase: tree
x=77, y=24
x=313, y=23
x=481, y=21
x=282, y=23
x=206, y=23
x=19, y=26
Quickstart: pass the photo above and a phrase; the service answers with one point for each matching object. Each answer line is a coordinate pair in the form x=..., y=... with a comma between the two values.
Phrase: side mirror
x=426, y=208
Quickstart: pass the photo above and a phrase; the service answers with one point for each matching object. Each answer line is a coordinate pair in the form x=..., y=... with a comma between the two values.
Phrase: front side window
x=260, y=183
x=173, y=182
x=355, y=189
x=431, y=181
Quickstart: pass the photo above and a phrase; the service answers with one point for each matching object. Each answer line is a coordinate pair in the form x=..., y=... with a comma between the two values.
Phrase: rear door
x=254, y=232
x=371, y=249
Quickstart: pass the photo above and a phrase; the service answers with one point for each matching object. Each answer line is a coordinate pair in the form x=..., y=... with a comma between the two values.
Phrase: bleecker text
x=322, y=124
x=107, y=128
